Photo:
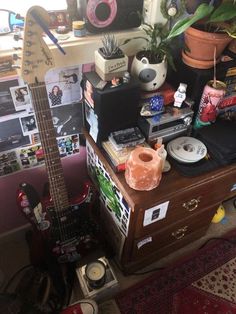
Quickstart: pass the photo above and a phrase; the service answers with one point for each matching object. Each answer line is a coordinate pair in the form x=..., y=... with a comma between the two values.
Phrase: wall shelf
x=78, y=50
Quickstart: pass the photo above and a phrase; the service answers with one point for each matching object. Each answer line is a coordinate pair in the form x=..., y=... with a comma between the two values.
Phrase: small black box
x=109, y=108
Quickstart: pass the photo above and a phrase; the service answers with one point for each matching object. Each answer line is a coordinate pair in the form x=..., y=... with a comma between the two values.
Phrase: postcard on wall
x=7, y=106
x=67, y=119
x=63, y=85
x=28, y=124
x=11, y=135
x=21, y=97
x=68, y=145
x=31, y=156
x=9, y=163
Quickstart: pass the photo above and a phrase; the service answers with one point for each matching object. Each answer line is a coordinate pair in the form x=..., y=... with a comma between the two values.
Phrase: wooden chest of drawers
x=145, y=226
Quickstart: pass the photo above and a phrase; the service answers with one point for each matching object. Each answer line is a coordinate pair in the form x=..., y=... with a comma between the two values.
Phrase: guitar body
x=69, y=234
x=63, y=224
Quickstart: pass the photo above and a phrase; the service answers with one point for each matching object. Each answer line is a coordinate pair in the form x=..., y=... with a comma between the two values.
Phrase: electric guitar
x=57, y=217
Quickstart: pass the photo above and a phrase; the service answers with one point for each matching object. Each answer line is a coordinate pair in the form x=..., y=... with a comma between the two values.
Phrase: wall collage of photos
x=20, y=146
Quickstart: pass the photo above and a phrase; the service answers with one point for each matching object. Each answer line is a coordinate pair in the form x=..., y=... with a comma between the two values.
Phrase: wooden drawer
x=185, y=204
x=176, y=232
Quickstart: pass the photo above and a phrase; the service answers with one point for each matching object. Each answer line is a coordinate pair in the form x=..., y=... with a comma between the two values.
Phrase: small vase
x=109, y=68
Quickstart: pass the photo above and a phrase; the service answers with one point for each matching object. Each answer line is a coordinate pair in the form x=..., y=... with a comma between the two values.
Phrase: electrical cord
x=15, y=276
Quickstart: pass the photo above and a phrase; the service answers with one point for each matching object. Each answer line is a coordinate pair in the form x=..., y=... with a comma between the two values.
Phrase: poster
x=20, y=146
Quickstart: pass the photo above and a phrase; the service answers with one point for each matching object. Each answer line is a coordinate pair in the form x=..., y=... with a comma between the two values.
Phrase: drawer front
x=183, y=205
x=176, y=232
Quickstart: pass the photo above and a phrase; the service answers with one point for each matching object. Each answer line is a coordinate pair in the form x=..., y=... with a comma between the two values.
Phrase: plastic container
x=79, y=28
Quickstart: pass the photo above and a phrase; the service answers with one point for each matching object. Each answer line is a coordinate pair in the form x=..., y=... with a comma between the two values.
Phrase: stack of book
x=117, y=152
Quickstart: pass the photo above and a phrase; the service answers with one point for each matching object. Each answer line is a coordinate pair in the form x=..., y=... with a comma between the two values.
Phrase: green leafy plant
x=159, y=38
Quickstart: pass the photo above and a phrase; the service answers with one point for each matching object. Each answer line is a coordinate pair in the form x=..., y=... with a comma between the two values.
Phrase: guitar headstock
x=36, y=56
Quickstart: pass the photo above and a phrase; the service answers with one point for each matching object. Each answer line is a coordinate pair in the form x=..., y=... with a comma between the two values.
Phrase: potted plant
x=110, y=61
x=206, y=33
x=151, y=62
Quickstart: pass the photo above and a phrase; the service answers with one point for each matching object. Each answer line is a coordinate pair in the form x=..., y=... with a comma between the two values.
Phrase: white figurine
x=180, y=95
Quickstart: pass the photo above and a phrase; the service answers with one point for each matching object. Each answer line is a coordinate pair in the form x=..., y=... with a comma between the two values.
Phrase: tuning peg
x=28, y=43
x=30, y=33
x=17, y=37
x=28, y=53
x=15, y=57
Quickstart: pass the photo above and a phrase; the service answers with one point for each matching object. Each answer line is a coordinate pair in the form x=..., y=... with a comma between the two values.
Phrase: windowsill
x=78, y=50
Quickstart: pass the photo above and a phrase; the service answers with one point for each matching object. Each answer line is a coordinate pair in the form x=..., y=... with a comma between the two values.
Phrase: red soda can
x=213, y=93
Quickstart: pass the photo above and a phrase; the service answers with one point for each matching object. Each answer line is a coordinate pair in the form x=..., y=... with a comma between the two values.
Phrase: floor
x=14, y=255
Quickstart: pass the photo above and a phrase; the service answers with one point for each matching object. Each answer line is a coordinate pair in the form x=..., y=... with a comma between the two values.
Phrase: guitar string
x=51, y=164
x=56, y=163
x=43, y=125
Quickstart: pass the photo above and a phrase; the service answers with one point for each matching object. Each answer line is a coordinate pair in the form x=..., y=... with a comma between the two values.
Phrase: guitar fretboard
x=47, y=134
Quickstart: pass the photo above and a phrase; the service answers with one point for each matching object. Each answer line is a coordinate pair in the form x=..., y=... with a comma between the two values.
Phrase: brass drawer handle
x=191, y=205
x=180, y=233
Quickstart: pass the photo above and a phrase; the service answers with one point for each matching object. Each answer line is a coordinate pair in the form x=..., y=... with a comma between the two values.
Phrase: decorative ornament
x=172, y=9
x=153, y=106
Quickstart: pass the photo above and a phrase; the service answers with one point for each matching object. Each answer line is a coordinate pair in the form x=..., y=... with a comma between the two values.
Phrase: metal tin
x=208, y=107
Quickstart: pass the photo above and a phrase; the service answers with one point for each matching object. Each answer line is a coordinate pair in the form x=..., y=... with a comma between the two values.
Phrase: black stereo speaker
x=106, y=15
x=111, y=108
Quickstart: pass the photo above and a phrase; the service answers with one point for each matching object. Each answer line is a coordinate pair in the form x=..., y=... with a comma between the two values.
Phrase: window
x=22, y=6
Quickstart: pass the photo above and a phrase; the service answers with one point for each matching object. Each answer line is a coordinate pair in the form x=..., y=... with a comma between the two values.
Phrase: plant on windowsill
x=110, y=60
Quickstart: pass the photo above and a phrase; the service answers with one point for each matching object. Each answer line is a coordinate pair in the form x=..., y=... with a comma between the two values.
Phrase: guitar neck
x=49, y=144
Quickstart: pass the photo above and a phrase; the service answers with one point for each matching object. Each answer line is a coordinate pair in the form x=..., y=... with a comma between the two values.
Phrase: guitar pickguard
x=64, y=230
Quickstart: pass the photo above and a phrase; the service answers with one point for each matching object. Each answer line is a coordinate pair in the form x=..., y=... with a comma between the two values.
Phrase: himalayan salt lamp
x=143, y=169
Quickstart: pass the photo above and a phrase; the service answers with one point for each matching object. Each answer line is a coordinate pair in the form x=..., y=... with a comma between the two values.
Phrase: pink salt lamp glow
x=143, y=169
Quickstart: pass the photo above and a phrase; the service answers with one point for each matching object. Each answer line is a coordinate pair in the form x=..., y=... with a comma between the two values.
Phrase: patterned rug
x=204, y=283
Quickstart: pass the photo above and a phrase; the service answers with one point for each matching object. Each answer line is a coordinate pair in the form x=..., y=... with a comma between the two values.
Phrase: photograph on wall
x=21, y=97
x=63, y=85
x=11, y=135
x=7, y=106
x=29, y=125
x=68, y=145
x=31, y=156
x=8, y=163
x=67, y=119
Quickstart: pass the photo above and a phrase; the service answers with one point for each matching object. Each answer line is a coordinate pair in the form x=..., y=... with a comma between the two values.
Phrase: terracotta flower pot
x=201, y=47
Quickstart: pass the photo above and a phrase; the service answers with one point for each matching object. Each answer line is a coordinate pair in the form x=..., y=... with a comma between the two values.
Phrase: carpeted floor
x=201, y=283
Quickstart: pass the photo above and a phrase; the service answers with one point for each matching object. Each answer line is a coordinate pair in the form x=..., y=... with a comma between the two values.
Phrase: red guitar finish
x=56, y=216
